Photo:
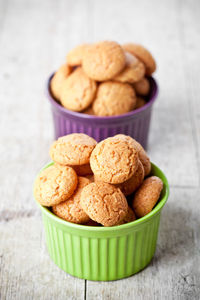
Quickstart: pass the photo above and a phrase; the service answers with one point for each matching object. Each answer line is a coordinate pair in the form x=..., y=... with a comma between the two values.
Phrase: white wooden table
x=34, y=39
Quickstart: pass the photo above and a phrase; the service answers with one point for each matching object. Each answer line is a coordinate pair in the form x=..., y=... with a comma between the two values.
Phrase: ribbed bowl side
x=102, y=258
x=137, y=127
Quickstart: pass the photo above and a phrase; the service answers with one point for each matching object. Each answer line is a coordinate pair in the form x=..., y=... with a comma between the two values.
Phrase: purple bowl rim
x=91, y=117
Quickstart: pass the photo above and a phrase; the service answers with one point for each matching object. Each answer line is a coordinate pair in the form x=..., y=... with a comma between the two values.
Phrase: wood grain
x=34, y=39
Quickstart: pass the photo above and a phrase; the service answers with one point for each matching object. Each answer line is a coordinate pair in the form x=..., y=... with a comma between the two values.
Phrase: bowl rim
x=153, y=95
x=134, y=224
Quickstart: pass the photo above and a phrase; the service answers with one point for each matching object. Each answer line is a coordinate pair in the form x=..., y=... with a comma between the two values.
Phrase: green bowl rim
x=133, y=224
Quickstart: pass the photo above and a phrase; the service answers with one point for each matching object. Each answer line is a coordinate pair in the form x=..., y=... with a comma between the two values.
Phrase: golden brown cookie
x=133, y=71
x=130, y=217
x=78, y=91
x=54, y=185
x=104, y=203
x=58, y=79
x=142, y=54
x=114, y=160
x=72, y=149
x=103, y=60
x=147, y=196
x=71, y=210
x=142, y=87
x=114, y=98
x=143, y=157
x=131, y=185
x=140, y=102
x=74, y=57
x=82, y=170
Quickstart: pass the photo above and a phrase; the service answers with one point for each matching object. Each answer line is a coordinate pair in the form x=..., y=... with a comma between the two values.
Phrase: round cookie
x=142, y=87
x=142, y=54
x=103, y=60
x=131, y=185
x=140, y=102
x=54, y=185
x=73, y=149
x=130, y=217
x=133, y=71
x=71, y=210
x=114, y=160
x=147, y=196
x=58, y=79
x=104, y=203
x=78, y=91
x=114, y=98
x=82, y=170
x=75, y=56
x=143, y=157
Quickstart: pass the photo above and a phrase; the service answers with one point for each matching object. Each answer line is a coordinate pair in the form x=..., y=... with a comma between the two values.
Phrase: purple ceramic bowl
x=135, y=123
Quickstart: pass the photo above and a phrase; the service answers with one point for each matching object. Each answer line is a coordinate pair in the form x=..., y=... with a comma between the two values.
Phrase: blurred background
x=35, y=37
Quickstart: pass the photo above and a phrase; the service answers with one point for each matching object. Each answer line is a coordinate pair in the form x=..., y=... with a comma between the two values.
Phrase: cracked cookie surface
x=73, y=149
x=78, y=91
x=58, y=79
x=54, y=185
x=114, y=160
x=104, y=203
x=103, y=60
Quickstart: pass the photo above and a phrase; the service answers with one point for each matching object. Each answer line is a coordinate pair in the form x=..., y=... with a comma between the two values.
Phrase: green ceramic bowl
x=104, y=253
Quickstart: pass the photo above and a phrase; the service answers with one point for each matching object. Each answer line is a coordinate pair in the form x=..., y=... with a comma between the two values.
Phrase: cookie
x=104, y=203
x=147, y=196
x=130, y=217
x=143, y=157
x=142, y=87
x=114, y=98
x=133, y=71
x=82, y=170
x=142, y=54
x=78, y=91
x=131, y=185
x=73, y=149
x=140, y=102
x=103, y=60
x=114, y=160
x=71, y=210
x=58, y=79
x=54, y=185
x=75, y=56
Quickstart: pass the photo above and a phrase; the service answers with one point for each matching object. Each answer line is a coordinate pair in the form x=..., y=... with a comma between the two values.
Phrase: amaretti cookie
x=78, y=91
x=114, y=160
x=142, y=54
x=130, y=217
x=104, y=203
x=147, y=196
x=114, y=98
x=73, y=149
x=54, y=185
x=58, y=79
x=103, y=60
x=71, y=210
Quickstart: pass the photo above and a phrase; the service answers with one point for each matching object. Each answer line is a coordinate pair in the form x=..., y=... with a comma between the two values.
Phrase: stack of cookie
x=104, y=79
x=89, y=182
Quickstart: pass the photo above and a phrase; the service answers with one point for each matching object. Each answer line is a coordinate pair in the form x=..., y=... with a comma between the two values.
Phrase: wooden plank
x=26, y=270
x=174, y=272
